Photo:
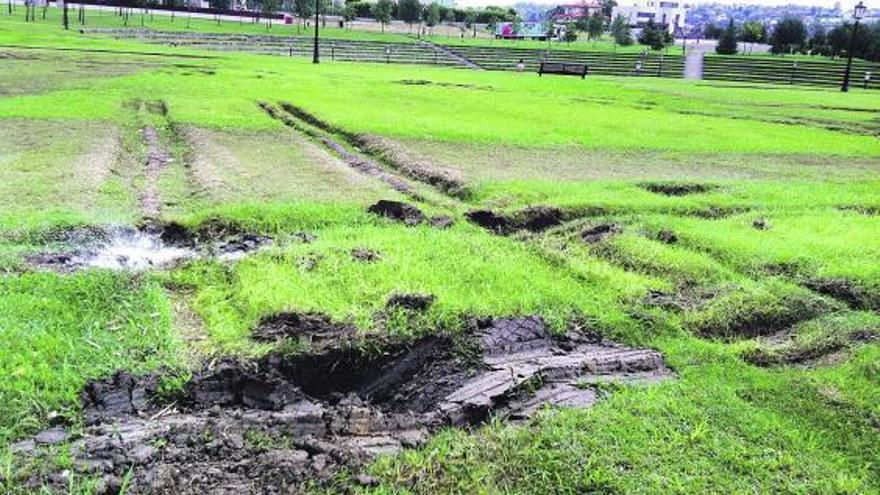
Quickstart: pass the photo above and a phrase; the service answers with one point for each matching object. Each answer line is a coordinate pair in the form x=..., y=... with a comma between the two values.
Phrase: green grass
x=71, y=153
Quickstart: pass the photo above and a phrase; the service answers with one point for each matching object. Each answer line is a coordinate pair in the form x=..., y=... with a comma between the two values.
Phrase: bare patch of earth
x=277, y=423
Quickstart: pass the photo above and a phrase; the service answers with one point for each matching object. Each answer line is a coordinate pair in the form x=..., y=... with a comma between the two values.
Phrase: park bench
x=563, y=68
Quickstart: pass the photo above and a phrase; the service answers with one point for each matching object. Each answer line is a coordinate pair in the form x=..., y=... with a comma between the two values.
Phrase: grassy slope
x=724, y=426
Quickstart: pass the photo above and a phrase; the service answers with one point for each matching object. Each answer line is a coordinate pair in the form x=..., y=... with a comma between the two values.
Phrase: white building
x=666, y=14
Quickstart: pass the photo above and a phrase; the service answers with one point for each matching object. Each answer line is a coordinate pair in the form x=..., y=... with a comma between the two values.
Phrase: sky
x=821, y=3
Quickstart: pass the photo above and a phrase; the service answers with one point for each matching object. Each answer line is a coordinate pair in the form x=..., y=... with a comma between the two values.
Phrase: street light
x=858, y=14
x=315, y=56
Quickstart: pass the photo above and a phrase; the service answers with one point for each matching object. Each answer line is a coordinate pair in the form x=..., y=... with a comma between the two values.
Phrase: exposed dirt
x=415, y=302
x=442, y=222
x=678, y=188
x=861, y=209
x=157, y=159
x=415, y=167
x=316, y=328
x=843, y=290
x=600, y=232
x=531, y=219
x=817, y=353
x=398, y=211
x=766, y=320
x=761, y=223
x=716, y=212
x=271, y=425
x=489, y=220
x=667, y=237
x=365, y=255
x=323, y=133
x=686, y=298
x=153, y=245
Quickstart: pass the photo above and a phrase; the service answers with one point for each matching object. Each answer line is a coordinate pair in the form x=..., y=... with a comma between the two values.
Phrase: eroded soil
x=274, y=424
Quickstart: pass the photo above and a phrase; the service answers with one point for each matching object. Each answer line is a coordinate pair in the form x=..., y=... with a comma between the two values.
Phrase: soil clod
x=441, y=222
x=398, y=211
x=600, y=232
x=761, y=223
x=415, y=302
x=667, y=237
x=270, y=425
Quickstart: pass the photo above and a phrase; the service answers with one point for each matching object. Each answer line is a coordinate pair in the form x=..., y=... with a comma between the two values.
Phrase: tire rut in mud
x=356, y=160
x=270, y=425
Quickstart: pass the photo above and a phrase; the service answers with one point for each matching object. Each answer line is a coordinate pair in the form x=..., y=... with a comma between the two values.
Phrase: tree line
x=791, y=35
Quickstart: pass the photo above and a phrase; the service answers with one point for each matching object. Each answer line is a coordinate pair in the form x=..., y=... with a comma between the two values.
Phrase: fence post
x=793, y=69
x=867, y=78
x=660, y=66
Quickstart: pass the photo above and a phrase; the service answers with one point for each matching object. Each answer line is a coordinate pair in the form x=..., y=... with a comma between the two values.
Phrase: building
x=666, y=14
x=573, y=11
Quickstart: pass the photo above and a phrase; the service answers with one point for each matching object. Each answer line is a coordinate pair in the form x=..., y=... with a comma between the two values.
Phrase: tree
x=570, y=33
x=788, y=36
x=621, y=31
x=432, y=15
x=382, y=12
x=409, y=11
x=652, y=36
x=727, y=43
x=470, y=21
x=350, y=12
x=752, y=32
x=607, y=7
x=595, y=26
x=712, y=32
x=303, y=9
x=269, y=8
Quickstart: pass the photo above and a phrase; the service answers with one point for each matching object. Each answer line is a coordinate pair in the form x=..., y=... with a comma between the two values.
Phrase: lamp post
x=858, y=14
x=315, y=55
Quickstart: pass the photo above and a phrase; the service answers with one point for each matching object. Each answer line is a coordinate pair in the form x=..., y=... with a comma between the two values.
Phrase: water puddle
x=130, y=249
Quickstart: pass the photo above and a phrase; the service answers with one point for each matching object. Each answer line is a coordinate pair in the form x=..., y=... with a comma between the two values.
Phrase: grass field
x=734, y=229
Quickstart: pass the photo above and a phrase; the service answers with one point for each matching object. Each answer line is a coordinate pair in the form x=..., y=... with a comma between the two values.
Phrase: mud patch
x=271, y=425
x=532, y=219
x=149, y=247
x=417, y=168
x=600, y=232
x=313, y=327
x=761, y=224
x=398, y=211
x=325, y=135
x=157, y=160
x=677, y=188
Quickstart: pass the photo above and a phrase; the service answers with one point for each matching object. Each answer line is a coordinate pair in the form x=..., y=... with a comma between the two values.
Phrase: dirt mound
x=442, y=222
x=678, y=188
x=398, y=211
x=600, y=232
x=270, y=425
x=531, y=219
